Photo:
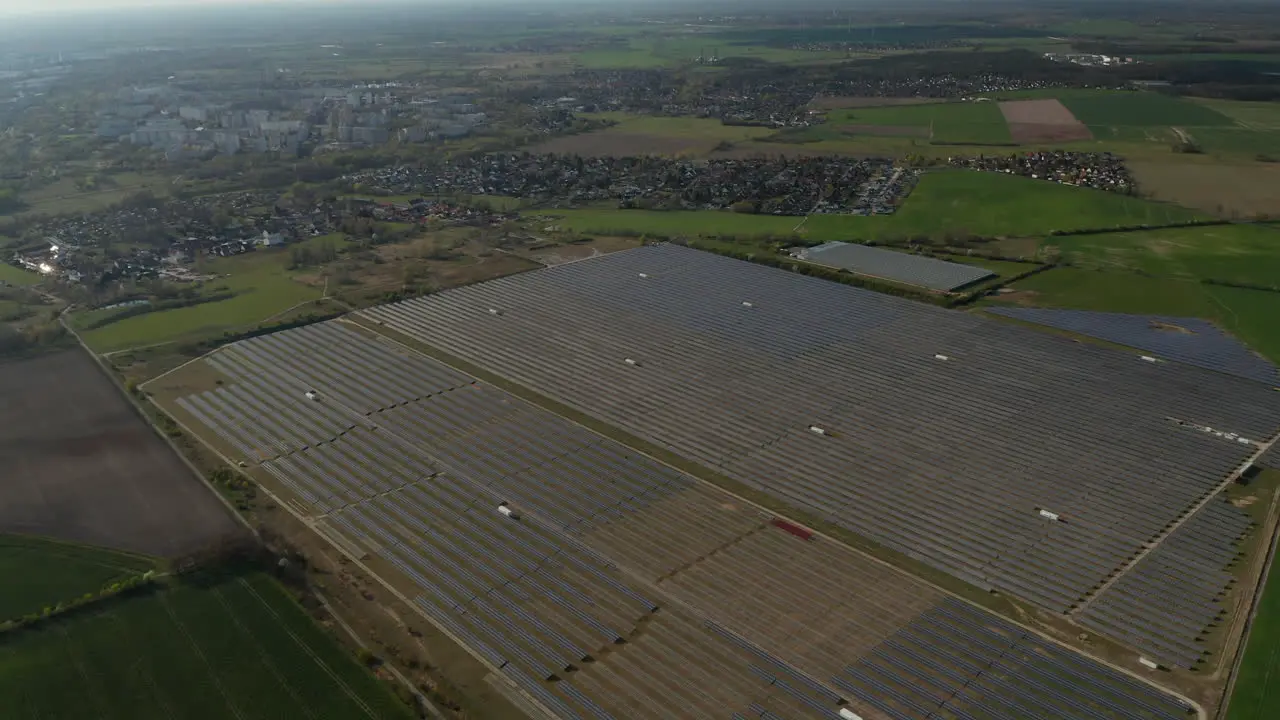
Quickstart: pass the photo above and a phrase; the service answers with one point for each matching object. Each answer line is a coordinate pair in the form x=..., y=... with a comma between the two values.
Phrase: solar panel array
x=902, y=267
x=412, y=472
x=1164, y=606
x=939, y=434
x=1180, y=339
x=956, y=662
x=1271, y=458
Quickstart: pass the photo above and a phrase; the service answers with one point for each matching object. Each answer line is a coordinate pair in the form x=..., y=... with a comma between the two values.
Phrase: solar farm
x=605, y=584
x=1178, y=339
x=900, y=267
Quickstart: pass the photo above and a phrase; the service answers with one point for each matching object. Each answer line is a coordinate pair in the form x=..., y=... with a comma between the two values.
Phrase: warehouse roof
x=897, y=266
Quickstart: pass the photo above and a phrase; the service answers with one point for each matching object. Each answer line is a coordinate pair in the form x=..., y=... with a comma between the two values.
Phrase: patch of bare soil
x=1170, y=327
x=1041, y=121
x=78, y=463
x=886, y=130
x=1019, y=297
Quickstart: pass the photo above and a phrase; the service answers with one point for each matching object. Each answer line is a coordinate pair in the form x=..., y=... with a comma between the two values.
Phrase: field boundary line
x=537, y=398
x=306, y=647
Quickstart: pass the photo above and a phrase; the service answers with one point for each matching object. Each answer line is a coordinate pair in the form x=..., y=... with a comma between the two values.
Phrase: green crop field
x=1234, y=253
x=1252, y=115
x=263, y=288
x=16, y=276
x=1237, y=141
x=43, y=572
x=949, y=202
x=1249, y=314
x=1100, y=108
x=947, y=123
x=1257, y=689
x=234, y=648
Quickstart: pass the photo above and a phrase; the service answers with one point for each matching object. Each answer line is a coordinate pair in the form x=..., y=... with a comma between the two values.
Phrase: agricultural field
x=642, y=135
x=1237, y=190
x=81, y=465
x=954, y=123
x=944, y=203
x=51, y=572
x=1138, y=109
x=1243, y=254
x=11, y=275
x=64, y=196
x=232, y=646
x=1250, y=115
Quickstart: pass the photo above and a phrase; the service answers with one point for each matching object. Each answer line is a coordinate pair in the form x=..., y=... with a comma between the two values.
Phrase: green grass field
x=1249, y=314
x=948, y=123
x=1141, y=109
x=949, y=202
x=263, y=285
x=235, y=648
x=1237, y=141
x=1235, y=253
x=1252, y=115
x=1257, y=689
x=16, y=276
x=44, y=572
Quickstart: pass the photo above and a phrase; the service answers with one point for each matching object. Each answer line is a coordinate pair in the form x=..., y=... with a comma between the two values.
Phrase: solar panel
x=898, y=266
x=1192, y=341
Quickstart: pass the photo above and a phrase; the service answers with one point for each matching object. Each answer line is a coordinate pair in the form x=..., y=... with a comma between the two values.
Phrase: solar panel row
x=899, y=266
x=938, y=434
x=1271, y=458
x=1166, y=603
x=1192, y=341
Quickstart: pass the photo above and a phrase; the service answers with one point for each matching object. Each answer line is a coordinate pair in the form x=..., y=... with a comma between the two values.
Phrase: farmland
x=406, y=467
x=958, y=123
x=1235, y=189
x=1139, y=109
x=944, y=203
x=232, y=646
x=16, y=276
x=52, y=572
x=1242, y=254
x=81, y=465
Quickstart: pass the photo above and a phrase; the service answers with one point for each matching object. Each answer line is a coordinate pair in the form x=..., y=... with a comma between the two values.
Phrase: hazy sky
x=31, y=7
